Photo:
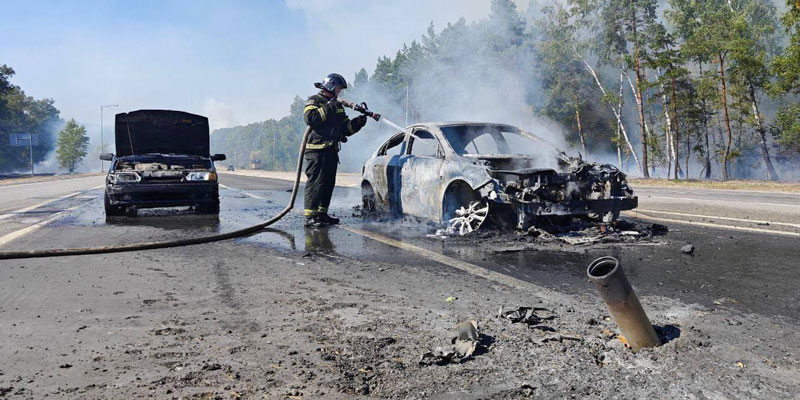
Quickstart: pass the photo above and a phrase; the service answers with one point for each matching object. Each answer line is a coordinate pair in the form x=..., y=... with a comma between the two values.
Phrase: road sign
x=24, y=139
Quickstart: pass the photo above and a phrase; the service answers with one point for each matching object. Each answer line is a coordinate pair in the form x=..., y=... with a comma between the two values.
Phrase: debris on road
x=525, y=315
x=688, y=249
x=463, y=347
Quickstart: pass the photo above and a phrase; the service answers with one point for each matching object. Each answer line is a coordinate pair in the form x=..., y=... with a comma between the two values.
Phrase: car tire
x=112, y=210
x=209, y=208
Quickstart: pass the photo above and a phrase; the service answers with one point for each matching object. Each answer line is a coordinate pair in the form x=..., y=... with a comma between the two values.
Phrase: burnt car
x=466, y=173
x=162, y=160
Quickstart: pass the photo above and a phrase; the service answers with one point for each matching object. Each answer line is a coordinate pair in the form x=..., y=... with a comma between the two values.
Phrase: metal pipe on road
x=615, y=290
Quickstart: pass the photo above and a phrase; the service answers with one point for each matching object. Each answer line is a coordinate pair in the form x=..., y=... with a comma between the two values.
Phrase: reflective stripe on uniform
x=322, y=113
x=323, y=209
x=309, y=108
x=309, y=213
x=340, y=110
x=317, y=146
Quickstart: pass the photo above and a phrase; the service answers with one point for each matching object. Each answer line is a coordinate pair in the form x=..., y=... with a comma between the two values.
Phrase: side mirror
x=106, y=156
x=218, y=157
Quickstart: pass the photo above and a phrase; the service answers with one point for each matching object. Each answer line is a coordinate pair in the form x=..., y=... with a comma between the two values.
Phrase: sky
x=236, y=62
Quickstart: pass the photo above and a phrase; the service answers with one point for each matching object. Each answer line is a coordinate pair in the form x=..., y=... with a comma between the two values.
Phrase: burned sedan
x=465, y=174
x=162, y=160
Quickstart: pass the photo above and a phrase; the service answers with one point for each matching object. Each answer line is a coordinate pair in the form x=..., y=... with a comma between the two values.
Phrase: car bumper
x=147, y=195
x=579, y=207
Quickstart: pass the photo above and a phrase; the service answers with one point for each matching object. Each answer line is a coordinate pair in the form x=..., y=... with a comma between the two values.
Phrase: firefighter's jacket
x=329, y=123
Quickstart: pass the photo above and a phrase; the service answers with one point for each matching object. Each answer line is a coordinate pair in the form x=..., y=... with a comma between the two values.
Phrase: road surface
x=347, y=311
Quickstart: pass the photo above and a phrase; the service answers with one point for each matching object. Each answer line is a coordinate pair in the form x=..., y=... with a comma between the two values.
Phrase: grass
x=767, y=186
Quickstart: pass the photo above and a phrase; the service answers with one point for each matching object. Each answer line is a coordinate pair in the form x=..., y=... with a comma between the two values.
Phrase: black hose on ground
x=10, y=255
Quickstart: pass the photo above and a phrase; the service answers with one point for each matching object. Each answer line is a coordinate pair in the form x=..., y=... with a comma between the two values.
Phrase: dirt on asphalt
x=317, y=324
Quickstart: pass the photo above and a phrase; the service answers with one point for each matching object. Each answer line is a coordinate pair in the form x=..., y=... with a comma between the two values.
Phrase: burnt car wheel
x=369, y=202
x=470, y=218
x=112, y=210
x=463, y=210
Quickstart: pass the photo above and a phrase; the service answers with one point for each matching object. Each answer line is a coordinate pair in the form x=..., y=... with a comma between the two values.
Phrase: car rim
x=470, y=218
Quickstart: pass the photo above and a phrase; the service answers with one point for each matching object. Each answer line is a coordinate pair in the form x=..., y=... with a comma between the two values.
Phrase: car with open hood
x=467, y=173
x=162, y=160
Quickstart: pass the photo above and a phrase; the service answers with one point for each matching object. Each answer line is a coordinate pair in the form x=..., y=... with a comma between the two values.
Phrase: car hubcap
x=469, y=218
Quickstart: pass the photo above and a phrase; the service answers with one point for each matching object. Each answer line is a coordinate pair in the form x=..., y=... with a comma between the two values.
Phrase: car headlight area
x=201, y=177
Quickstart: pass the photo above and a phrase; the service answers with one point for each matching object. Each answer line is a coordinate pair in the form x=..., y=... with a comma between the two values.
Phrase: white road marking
x=718, y=201
x=35, y=206
x=22, y=232
x=754, y=221
x=255, y=196
x=710, y=225
x=449, y=261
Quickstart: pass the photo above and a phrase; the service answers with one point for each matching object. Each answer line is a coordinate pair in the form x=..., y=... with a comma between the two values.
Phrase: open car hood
x=161, y=131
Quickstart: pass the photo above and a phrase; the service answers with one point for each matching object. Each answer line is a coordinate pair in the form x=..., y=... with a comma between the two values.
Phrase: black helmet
x=331, y=82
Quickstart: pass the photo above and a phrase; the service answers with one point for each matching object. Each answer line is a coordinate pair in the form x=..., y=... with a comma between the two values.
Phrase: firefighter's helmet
x=331, y=82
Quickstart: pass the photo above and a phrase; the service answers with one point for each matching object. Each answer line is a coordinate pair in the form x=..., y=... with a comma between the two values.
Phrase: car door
x=386, y=173
x=421, y=175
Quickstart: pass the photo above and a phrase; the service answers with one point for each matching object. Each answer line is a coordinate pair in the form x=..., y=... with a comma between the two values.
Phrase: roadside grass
x=7, y=180
x=766, y=186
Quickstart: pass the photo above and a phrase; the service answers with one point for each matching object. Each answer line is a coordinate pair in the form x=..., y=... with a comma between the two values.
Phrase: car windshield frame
x=458, y=137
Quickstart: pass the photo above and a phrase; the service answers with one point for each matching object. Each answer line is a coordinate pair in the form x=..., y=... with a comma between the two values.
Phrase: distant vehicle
x=230, y=168
x=162, y=160
x=467, y=173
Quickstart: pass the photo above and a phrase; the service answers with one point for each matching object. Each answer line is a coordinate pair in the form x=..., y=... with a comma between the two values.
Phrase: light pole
x=102, y=146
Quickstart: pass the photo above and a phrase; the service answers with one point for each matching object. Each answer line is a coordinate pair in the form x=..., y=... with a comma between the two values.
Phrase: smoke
x=477, y=72
x=220, y=115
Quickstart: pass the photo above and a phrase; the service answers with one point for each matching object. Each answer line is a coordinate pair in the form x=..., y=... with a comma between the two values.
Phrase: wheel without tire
x=470, y=218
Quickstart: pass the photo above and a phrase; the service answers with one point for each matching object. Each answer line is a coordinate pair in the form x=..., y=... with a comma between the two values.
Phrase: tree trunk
x=707, y=166
x=639, y=101
x=617, y=112
x=619, y=123
x=670, y=150
x=580, y=128
x=675, y=135
x=721, y=58
x=771, y=173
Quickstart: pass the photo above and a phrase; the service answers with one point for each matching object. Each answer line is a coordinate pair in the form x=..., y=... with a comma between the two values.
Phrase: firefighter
x=329, y=128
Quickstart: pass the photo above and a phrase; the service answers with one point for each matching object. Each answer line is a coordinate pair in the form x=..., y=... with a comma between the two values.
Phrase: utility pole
x=30, y=147
x=102, y=145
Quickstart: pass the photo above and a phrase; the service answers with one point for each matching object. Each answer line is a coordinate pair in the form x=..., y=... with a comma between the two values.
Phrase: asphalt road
x=742, y=266
x=752, y=269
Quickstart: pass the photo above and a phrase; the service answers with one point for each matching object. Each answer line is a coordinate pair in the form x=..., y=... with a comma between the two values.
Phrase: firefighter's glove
x=358, y=122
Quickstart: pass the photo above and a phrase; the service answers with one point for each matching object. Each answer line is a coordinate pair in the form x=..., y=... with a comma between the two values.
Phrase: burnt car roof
x=161, y=131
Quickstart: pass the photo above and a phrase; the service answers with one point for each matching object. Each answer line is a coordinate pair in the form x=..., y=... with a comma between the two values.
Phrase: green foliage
x=23, y=114
x=787, y=66
x=71, y=145
x=787, y=127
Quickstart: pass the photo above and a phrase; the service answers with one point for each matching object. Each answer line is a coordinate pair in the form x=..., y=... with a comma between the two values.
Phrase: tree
x=567, y=91
x=714, y=36
x=71, y=145
x=20, y=113
x=787, y=65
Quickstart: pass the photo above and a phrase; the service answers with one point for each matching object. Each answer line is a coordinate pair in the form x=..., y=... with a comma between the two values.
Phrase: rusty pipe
x=615, y=290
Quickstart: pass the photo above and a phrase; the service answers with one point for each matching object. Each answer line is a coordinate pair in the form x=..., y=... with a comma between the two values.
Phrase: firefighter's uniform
x=330, y=126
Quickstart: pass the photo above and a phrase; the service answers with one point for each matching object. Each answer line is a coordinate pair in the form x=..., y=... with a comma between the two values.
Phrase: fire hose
x=10, y=255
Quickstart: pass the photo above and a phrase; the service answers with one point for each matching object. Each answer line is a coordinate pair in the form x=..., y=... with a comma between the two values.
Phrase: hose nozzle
x=362, y=108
